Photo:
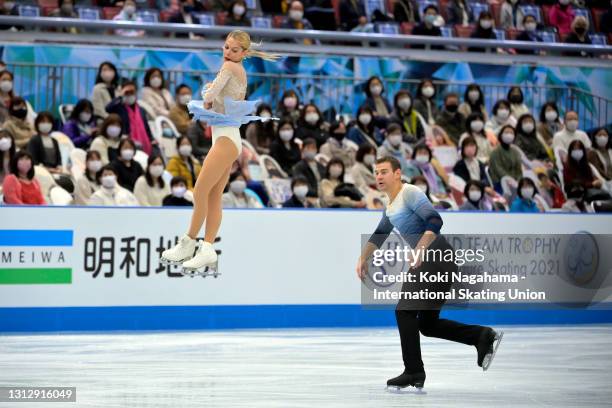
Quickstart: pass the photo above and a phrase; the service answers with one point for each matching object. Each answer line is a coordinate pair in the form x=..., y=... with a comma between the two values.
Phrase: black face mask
x=339, y=136
x=516, y=98
x=580, y=30
x=19, y=113
x=451, y=108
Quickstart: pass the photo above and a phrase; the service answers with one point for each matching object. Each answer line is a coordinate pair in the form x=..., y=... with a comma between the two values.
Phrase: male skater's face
x=386, y=178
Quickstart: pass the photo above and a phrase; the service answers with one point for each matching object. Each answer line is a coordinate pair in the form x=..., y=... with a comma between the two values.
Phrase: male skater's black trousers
x=415, y=317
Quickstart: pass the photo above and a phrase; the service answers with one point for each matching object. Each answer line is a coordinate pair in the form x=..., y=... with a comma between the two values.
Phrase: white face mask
x=155, y=82
x=577, y=154
x=530, y=26
x=265, y=114
x=185, y=150
x=108, y=181
x=422, y=158
x=474, y=195
x=237, y=186
x=473, y=96
x=365, y=119
x=369, y=159
x=571, y=125
x=527, y=192
x=508, y=138
x=6, y=86
x=290, y=102
x=296, y=15
x=551, y=115
x=300, y=191
x=107, y=75
x=5, y=144
x=184, y=99
x=376, y=90
x=312, y=118
x=395, y=140
x=528, y=127
x=477, y=126
x=179, y=191
x=486, y=24
x=335, y=171
x=502, y=114
x=309, y=154
x=127, y=154
x=94, y=165
x=428, y=91
x=601, y=140
x=129, y=10
x=286, y=135
x=404, y=103
x=45, y=128
x=113, y=131
x=85, y=117
x=156, y=170
x=130, y=100
x=239, y=10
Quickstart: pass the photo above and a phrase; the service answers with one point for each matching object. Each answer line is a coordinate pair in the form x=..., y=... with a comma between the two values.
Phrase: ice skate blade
x=486, y=362
x=209, y=270
x=409, y=389
x=167, y=262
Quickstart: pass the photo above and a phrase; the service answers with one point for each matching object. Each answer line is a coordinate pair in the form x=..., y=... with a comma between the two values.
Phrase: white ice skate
x=204, y=263
x=491, y=354
x=181, y=252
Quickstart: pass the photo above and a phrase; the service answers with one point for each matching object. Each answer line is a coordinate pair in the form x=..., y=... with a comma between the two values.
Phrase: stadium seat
x=532, y=10
x=598, y=39
x=477, y=8
x=496, y=11
x=387, y=28
x=500, y=34
x=464, y=31
x=545, y=14
x=220, y=18
x=148, y=16
x=444, y=9
x=48, y=3
x=372, y=5
x=88, y=13
x=513, y=33
x=406, y=28
x=597, y=13
x=447, y=32
x=28, y=11
x=261, y=22
x=205, y=19
x=548, y=36
x=277, y=21
x=164, y=16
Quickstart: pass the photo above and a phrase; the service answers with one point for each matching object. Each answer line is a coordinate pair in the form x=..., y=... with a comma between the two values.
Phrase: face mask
x=422, y=158
x=156, y=170
x=473, y=96
x=369, y=159
x=107, y=75
x=469, y=151
x=431, y=18
x=239, y=10
x=6, y=86
x=474, y=195
x=155, y=82
x=129, y=99
x=335, y=171
x=422, y=187
x=184, y=99
x=395, y=140
x=265, y=114
x=20, y=113
x=516, y=98
x=404, y=103
x=185, y=150
x=428, y=91
x=551, y=115
x=528, y=127
x=376, y=90
x=108, y=181
x=296, y=15
x=577, y=154
x=451, y=107
x=572, y=125
x=502, y=114
x=290, y=102
x=312, y=118
x=530, y=27
x=85, y=117
x=486, y=24
x=237, y=186
x=365, y=119
x=45, y=128
x=24, y=166
x=508, y=138
x=286, y=135
x=167, y=132
x=127, y=154
x=5, y=144
x=129, y=10
x=300, y=191
x=94, y=165
x=602, y=141
x=309, y=154
x=527, y=192
x=477, y=126
x=113, y=131
x=339, y=136
x=179, y=191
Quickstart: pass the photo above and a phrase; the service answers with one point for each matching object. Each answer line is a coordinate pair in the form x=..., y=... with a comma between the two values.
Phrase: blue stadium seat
x=372, y=5
x=598, y=39
x=477, y=8
x=261, y=22
x=28, y=11
x=533, y=11
x=148, y=16
x=387, y=28
x=205, y=19
x=447, y=32
x=251, y=4
x=548, y=36
x=88, y=13
x=500, y=34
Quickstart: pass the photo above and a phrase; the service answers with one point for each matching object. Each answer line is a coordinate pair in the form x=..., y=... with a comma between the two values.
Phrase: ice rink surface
x=561, y=366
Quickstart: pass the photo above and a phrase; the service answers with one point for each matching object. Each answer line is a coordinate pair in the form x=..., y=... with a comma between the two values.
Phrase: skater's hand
x=362, y=268
x=207, y=105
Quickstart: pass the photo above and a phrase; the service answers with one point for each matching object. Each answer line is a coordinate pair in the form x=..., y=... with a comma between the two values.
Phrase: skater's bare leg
x=215, y=207
x=218, y=160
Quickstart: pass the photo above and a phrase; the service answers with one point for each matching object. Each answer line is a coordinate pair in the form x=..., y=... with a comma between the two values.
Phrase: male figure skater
x=410, y=211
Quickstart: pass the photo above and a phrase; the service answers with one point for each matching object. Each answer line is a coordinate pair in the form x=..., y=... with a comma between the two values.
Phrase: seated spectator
x=575, y=199
x=44, y=148
x=6, y=94
x=605, y=23
x=178, y=185
x=87, y=184
x=469, y=167
x=16, y=124
x=350, y=13
x=430, y=168
x=580, y=36
x=517, y=102
x=364, y=130
x=284, y=149
x=362, y=171
x=511, y=15
x=408, y=118
x=473, y=101
x=425, y=102
x=128, y=13
x=184, y=164
x=501, y=117
x=338, y=146
x=428, y=27
x=561, y=16
x=299, y=199
x=150, y=188
x=529, y=141
x=578, y=170
x=295, y=21
x=179, y=115
x=308, y=168
x=600, y=156
x=529, y=34
x=363, y=26
x=237, y=15
x=474, y=197
x=155, y=93
x=450, y=119
x=110, y=192
x=421, y=183
x=459, y=12
x=505, y=160
x=107, y=141
x=20, y=186
x=200, y=136
x=7, y=151
x=106, y=89
x=550, y=191
x=9, y=8
x=311, y=124
x=484, y=31
x=563, y=138
x=524, y=201
x=289, y=107
x=127, y=169
x=376, y=101
x=330, y=195
x=81, y=127
x=235, y=197
x=66, y=10
x=550, y=122
x=183, y=15
x=485, y=139
x=133, y=117
x=261, y=134
x=394, y=146
x=406, y=11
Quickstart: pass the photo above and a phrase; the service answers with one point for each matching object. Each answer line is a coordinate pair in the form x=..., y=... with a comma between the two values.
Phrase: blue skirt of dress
x=237, y=113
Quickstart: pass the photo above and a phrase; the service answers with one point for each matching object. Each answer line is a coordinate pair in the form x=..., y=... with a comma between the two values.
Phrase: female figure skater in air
x=225, y=109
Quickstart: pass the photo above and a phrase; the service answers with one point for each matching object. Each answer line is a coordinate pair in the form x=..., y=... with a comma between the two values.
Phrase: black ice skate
x=406, y=379
x=487, y=347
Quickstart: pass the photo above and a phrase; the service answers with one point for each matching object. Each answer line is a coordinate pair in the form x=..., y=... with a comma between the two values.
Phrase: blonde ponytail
x=244, y=39
x=263, y=55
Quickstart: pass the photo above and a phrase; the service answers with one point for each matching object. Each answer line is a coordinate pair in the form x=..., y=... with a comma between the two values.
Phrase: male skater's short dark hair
x=395, y=164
